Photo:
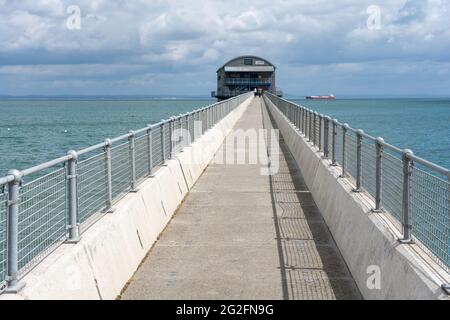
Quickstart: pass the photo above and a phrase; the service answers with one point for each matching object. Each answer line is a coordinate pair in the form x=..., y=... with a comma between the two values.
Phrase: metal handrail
x=418, y=193
x=84, y=188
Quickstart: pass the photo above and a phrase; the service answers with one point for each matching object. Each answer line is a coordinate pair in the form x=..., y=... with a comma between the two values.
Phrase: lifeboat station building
x=243, y=74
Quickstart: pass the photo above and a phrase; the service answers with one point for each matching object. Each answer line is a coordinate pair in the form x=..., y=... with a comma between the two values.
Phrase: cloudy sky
x=354, y=47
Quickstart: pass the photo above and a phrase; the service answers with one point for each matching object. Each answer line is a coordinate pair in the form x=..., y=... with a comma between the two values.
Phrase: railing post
x=302, y=128
x=302, y=117
x=187, y=133
x=163, y=142
x=406, y=223
x=131, y=145
x=171, y=127
x=179, y=143
x=359, y=136
x=446, y=286
x=344, y=147
x=326, y=135
x=150, y=149
x=320, y=131
x=204, y=124
x=297, y=124
x=333, y=143
x=378, y=176
x=108, y=176
x=74, y=236
x=310, y=124
x=314, y=128
x=12, y=277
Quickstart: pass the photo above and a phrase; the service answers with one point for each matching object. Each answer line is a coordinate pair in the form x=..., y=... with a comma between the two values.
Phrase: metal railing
x=244, y=81
x=413, y=190
x=74, y=191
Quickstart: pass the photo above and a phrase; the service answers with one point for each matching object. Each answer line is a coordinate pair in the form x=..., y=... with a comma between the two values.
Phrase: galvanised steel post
x=195, y=123
x=209, y=118
x=345, y=128
x=171, y=127
x=150, y=149
x=359, y=136
x=407, y=170
x=310, y=124
x=297, y=124
x=131, y=144
x=108, y=175
x=179, y=143
x=314, y=127
x=301, y=120
x=326, y=128
x=378, y=177
x=187, y=133
x=446, y=286
x=12, y=276
x=163, y=142
x=72, y=196
x=320, y=131
x=307, y=123
x=333, y=143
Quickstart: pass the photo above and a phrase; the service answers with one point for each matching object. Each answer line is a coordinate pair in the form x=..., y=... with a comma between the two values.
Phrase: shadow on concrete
x=311, y=265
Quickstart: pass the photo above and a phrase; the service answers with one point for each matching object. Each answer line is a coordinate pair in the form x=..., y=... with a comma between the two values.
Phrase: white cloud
x=183, y=36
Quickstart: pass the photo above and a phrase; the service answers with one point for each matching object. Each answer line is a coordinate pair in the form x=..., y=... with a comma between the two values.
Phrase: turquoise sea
x=422, y=125
x=35, y=131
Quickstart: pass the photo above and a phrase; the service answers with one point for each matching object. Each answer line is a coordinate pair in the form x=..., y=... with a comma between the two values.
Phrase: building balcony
x=248, y=82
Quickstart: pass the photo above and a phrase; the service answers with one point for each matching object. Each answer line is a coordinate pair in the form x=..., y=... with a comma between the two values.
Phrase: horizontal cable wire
x=42, y=217
x=43, y=202
x=368, y=166
x=120, y=169
x=392, y=186
x=429, y=192
x=91, y=187
x=430, y=207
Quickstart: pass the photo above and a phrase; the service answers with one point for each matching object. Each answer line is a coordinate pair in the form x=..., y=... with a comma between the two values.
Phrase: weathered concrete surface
x=242, y=235
x=366, y=239
x=111, y=250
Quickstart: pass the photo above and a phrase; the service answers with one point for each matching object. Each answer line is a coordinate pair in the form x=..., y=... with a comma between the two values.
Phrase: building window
x=248, y=61
x=218, y=77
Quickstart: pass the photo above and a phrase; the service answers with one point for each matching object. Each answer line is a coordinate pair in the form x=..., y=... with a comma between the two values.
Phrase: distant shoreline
x=288, y=96
x=168, y=98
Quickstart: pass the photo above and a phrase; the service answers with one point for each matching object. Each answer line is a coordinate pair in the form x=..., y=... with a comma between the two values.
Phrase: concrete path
x=243, y=235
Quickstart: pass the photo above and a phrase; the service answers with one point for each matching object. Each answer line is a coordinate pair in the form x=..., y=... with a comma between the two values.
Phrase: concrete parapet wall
x=367, y=241
x=110, y=251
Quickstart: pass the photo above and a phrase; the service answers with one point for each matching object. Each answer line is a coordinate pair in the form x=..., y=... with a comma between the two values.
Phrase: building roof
x=253, y=57
x=250, y=69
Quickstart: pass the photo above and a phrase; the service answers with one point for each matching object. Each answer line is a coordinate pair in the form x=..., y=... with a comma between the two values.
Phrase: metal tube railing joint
x=72, y=195
x=406, y=200
x=14, y=285
x=333, y=143
x=378, y=174
x=132, y=149
x=108, y=176
x=345, y=128
x=359, y=137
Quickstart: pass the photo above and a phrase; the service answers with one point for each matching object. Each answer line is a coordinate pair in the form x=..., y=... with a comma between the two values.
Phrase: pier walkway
x=243, y=235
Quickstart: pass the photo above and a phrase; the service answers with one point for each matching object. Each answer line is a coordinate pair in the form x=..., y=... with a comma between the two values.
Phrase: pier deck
x=243, y=235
